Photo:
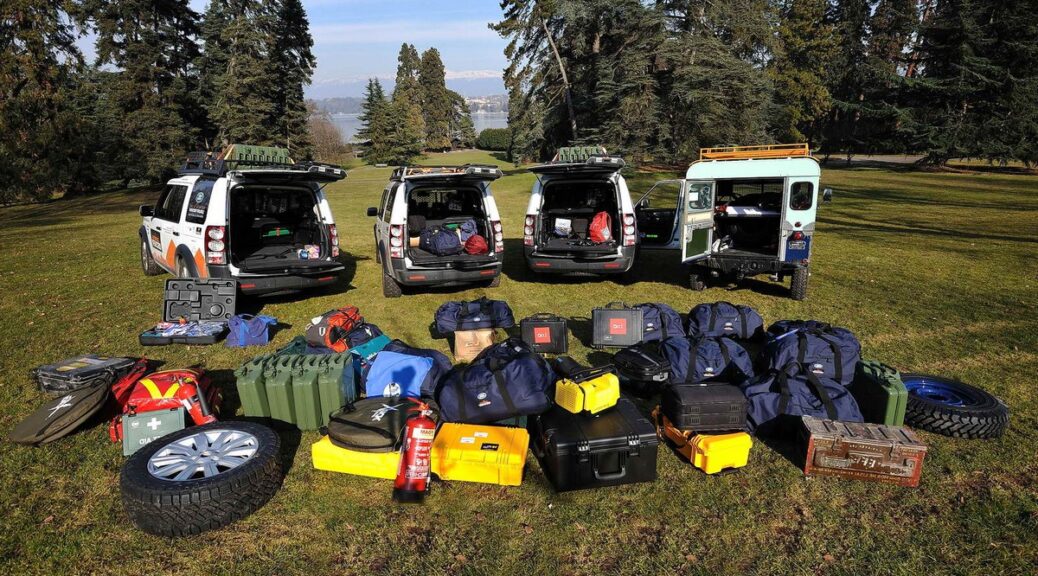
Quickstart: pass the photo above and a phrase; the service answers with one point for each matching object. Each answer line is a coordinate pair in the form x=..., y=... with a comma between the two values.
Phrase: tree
x=293, y=62
x=437, y=110
x=212, y=64
x=375, y=124
x=463, y=132
x=407, y=124
x=323, y=134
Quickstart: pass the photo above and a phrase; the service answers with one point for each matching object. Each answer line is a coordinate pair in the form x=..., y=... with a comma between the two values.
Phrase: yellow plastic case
x=328, y=456
x=480, y=453
x=592, y=395
x=711, y=453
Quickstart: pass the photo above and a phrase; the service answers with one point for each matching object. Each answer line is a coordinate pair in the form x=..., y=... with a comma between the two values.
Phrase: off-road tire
x=180, y=508
x=182, y=271
x=495, y=282
x=390, y=287
x=148, y=264
x=695, y=282
x=798, y=286
x=987, y=418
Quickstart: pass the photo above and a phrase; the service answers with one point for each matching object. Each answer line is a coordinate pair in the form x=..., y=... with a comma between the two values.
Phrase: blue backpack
x=697, y=360
x=506, y=380
x=396, y=374
x=724, y=319
x=775, y=399
x=440, y=241
x=824, y=350
x=249, y=330
x=659, y=321
x=482, y=313
x=441, y=364
x=467, y=230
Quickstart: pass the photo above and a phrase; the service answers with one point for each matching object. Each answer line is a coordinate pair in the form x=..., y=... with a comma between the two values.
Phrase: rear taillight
x=528, y=230
x=798, y=235
x=215, y=247
x=630, y=236
x=499, y=236
x=333, y=234
x=396, y=241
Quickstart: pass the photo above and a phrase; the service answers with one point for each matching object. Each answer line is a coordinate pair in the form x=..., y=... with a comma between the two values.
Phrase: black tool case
x=545, y=333
x=80, y=372
x=710, y=407
x=642, y=368
x=616, y=325
x=577, y=451
x=194, y=300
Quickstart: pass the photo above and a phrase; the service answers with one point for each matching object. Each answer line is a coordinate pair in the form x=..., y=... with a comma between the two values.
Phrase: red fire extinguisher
x=412, y=477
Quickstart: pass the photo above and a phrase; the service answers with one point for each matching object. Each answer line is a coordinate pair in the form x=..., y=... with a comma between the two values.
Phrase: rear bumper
x=288, y=282
x=444, y=276
x=548, y=264
x=748, y=266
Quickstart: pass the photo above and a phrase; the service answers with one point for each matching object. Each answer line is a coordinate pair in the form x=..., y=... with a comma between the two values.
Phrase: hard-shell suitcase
x=616, y=325
x=144, y=427
x=194, y=300
x=81, y=372
x=480, y=453
x=708, y=407
x=328, y=456
x=642, y=368
x=578, y=451
x=880, y=393
x=888, y=454
x=711, y=453
x=545, y=333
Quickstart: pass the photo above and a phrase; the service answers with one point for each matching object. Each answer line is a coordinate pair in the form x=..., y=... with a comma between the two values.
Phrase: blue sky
x=358, y=39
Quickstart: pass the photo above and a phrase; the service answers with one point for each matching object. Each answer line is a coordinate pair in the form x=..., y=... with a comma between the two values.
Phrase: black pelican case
x=545, y=333
x=616, y=325
x=709, y=407
x=642, y=369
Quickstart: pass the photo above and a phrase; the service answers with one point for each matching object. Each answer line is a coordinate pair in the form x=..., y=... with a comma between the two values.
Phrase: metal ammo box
x=874, y=452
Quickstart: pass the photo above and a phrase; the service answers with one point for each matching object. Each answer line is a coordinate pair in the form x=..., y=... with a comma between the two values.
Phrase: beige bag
x=469, y=343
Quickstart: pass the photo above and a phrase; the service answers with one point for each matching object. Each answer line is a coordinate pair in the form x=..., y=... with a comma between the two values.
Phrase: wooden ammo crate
x=873, y=452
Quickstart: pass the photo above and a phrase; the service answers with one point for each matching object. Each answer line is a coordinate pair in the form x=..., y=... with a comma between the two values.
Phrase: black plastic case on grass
x=578, y=451
x=545, y=333
x=194, y=300
x=642, y=368
x=711, y=407
x=616, y=325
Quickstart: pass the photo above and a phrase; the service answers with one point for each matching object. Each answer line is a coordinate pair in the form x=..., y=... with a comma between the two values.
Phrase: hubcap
x=203, y=455
x=941, y=390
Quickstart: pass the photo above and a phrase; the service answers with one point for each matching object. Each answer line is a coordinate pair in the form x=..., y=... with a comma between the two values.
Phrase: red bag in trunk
x=476, y=244
x=601, y=228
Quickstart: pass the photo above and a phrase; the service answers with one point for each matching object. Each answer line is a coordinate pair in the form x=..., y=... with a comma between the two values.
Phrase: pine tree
x=375, y=124
x=293, y=62
x=212, y=64
x=436, y=101
x=462, y=130
x=407, y=124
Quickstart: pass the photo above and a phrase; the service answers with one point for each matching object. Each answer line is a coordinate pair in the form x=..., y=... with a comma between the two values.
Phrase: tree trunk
x=565, y=79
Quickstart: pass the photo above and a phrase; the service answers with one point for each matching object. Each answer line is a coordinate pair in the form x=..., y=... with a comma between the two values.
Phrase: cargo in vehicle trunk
x=446, y=207
x=567, y=210
x=270, y=226
x=874, y=452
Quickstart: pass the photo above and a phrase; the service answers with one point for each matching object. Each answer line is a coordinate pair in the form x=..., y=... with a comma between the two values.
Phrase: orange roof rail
x=746, y=152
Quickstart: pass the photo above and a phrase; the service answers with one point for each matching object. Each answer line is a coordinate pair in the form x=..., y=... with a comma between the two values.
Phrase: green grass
x=934, y=272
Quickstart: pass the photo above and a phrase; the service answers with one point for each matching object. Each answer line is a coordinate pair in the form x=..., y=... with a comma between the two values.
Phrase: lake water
x=349, y=124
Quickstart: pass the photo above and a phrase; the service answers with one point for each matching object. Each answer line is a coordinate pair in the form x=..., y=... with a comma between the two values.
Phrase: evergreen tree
x=212, y=64
x=462, y=130
x=407, y=124
x=293, y=62
x=436, y=101
x=375, y=124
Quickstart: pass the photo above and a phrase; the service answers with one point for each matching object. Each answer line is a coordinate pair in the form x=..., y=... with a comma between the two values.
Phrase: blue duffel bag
x=440, y=242
x=248, y=330
x=696, y=360
x=824, y=350
x=659, y=321
x=482, y=313
x=441, y=364
x=506, y=380
x=396, y=374
x=724, y=319
x=775, y=401
x=361, y=334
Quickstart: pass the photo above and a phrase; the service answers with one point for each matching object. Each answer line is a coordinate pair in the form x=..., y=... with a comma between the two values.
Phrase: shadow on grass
x=253, y=304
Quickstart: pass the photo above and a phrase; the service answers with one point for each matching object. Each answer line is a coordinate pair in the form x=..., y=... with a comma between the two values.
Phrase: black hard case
x=81, y=372
x=616, y=325
x=642, y=366
x=713, y=407
x=195, y=300
x=578, y=451
x=558, y=336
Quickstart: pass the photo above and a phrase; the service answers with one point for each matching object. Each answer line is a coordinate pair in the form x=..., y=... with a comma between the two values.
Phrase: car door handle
x=175, y=233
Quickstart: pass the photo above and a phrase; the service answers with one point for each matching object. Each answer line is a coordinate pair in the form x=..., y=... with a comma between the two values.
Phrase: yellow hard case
x=328, y=456
x=592, y=395
x=480, y=453
x=711, y=453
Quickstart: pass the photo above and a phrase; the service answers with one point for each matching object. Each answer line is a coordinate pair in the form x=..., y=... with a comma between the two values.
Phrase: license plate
x=798, y=245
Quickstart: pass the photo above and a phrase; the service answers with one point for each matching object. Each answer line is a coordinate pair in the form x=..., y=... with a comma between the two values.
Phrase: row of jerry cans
x=300, y=389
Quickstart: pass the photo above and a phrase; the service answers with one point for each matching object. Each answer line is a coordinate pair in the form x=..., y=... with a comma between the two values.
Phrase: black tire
x=798, y=287
x=169, y=507
x=390, y=287
x=982, y=415
x=182, y=271
x=695, y=282
x=148, y=261
x=495, y=282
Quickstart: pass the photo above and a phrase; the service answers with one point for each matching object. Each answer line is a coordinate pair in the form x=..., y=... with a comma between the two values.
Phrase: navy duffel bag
x=724, y=319
x=775, y=400
x=696, y=360
x=440, y=241
x=659, y=321
x=482, y=313
x=824, y=350
x=506, y=380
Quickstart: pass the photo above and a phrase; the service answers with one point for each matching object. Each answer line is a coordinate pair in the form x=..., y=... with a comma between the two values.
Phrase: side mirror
x=827, y=195
x=372, y=211
x=643, y=204
x=146, y=210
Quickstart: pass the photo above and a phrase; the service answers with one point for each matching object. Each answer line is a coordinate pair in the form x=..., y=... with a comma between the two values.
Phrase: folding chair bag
x=545, y=333
x=616, y=325
x=724, y=319
x=61, y=416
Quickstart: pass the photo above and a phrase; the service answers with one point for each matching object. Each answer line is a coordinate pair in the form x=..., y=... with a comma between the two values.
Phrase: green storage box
x=277, y=376
x=880, y=393
x=306, y=399
x=252, y=388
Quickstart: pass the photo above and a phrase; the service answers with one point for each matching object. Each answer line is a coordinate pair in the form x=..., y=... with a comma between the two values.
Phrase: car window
x=801, y=195
x=198, y=203
x=700, y=195
x=664, y=196
x=172, y=203
x=387, y=212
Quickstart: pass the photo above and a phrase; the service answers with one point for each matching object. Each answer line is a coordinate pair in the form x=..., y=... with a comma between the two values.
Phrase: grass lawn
x=934, y=272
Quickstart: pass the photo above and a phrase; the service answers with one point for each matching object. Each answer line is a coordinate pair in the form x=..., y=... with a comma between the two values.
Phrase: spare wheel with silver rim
x=202, y=477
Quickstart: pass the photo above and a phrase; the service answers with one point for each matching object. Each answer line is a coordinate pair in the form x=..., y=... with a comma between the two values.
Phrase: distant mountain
x=495, y=103
x=324, y=89
x=346, y=105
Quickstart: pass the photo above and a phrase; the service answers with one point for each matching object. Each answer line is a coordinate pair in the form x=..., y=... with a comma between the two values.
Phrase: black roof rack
x=203, y=163
x=477, y=171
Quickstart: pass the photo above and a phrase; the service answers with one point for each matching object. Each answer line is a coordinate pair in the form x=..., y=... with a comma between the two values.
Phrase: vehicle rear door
x=799, y=208
x=657, y=215
x=697, y=218
x=193, y=228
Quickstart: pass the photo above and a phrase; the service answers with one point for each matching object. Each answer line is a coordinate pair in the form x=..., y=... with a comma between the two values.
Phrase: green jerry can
x=880, y=393
x=251, y=387
x=305, y=396
x=277, y=376
x=336, y=384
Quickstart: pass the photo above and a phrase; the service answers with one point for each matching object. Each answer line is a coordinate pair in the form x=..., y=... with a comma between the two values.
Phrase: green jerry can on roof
x=262, y=155
x=880, y=393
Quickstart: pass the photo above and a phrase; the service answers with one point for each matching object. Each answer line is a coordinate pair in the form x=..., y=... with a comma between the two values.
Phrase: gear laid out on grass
x=952, y=408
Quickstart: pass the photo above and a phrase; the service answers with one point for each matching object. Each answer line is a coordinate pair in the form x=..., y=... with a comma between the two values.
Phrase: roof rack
x=242, y=157
x=750, y=152
x=480, y=171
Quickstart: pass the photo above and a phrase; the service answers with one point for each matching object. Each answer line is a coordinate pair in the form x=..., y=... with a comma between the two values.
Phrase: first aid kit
x=142, y=428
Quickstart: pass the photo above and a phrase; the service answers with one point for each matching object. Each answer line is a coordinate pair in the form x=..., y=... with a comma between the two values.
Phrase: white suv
x=252, y=216
x=418, y=198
